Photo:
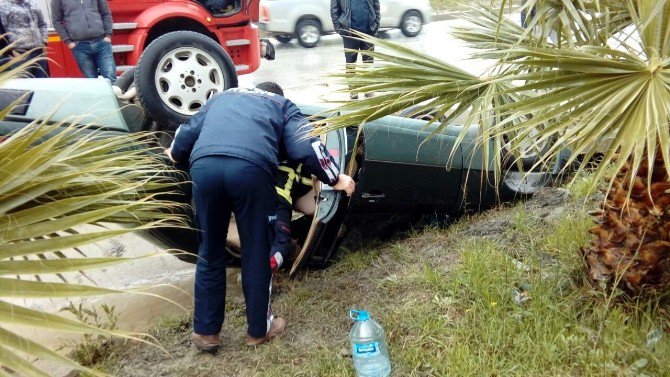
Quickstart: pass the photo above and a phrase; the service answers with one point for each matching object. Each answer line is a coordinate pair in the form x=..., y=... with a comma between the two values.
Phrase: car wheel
x=309, y=33
x=178, y=72
x=126, y=80
x=411, y=23
x=529, y=153
x=284, y=38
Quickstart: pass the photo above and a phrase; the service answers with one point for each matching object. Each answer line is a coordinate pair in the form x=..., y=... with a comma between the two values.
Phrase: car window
x=221, y=8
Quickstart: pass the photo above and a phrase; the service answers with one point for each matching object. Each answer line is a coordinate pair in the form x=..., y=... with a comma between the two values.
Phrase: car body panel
x=81, y=101
x=329, y=203
x=282, y=16
x=402, y=168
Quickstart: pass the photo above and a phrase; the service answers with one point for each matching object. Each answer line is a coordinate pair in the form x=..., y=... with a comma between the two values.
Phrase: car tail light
x=264, y=13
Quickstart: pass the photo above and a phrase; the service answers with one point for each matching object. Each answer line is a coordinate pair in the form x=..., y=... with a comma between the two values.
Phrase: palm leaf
x=55, y=181
x=596, y=92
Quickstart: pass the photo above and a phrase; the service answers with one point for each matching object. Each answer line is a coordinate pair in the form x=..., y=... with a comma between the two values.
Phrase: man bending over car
x=234, y=144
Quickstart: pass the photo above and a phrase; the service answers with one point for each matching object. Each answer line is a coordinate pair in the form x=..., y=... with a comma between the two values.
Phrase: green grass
x=446, y=299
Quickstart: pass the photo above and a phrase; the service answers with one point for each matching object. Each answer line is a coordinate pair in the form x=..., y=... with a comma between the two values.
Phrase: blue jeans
x=38, y=70
x=222, y=185
x=95, y=58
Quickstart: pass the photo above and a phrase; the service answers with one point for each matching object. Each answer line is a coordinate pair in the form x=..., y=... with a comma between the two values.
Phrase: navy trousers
x=222, y=185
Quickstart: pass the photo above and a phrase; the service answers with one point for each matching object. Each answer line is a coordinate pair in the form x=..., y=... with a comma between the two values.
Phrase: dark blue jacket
x=340, y=14
x=257, y=126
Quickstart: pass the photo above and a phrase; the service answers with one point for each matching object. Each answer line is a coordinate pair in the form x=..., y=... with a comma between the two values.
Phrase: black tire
x=284, y=38
x=308, y=32
x=213, y=71
x=411, y=23
x=125, y=81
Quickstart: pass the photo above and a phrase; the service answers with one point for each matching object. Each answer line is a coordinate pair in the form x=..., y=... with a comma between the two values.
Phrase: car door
x=331, y=207
x=390, y=13
x=404, y=170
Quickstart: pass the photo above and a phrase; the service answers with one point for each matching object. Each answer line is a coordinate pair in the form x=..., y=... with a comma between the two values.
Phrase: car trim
x=404, y=163
x=20, y=99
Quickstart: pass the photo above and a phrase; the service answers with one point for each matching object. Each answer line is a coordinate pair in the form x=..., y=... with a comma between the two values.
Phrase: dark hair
x=270, y=86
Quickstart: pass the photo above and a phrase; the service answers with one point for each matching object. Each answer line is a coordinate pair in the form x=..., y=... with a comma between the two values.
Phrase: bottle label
x=366, y=349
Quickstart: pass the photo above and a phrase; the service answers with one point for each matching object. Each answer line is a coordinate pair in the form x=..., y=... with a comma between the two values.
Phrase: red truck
x=199, y=48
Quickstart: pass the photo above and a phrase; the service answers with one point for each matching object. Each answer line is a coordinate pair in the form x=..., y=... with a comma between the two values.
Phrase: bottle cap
x=359, y=315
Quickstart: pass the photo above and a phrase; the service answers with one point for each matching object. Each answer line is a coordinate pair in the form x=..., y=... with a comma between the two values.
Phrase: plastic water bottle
x=368, y=346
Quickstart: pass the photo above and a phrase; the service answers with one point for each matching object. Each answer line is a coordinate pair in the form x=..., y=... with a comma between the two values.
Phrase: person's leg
x=254, y=199
x=40, y=69
x=367, y=59
x=350, y=56
x=350, y=43
x=282, y=234
x=367, y=46
x=104, y=59
x=83, y=54
x=213, y=208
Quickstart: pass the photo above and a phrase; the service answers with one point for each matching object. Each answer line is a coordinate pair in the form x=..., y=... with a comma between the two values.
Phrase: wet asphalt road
x=303, y=72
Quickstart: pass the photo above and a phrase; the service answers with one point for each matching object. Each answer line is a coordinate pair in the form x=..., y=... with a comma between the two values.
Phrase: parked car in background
x=308, y=20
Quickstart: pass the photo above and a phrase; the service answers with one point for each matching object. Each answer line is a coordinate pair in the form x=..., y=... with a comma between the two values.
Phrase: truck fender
x=158, y=13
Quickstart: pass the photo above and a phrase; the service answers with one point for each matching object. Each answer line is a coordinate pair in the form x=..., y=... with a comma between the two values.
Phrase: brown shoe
x=278, y=325
x=206, y=343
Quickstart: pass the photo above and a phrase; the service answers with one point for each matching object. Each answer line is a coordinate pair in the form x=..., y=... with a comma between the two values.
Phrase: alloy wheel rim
x=186, y=78
x=309, y=34
x=413, y=24
x=529, y=147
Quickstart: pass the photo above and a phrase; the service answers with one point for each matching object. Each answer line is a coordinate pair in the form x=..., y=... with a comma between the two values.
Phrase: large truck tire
x=178, y=72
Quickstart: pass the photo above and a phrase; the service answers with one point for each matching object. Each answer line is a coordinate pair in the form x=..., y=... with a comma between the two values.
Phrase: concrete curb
x=442, y=16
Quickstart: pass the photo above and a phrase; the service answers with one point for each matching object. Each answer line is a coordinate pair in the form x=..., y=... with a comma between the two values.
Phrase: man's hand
x=345, y=183
x=168, y=152
x=107, y=39
x=71, y=45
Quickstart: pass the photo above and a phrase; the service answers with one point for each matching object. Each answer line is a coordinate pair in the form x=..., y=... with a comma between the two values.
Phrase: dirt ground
x=316, y=304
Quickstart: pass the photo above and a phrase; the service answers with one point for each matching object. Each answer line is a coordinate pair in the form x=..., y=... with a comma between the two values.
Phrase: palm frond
x=598, y=92
x=58, y=185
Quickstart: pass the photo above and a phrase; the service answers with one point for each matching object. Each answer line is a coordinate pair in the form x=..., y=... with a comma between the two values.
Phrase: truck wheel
x=126, y=79
x=178, y=72
x=284, y=38
x=309, y=33
x=411, y=23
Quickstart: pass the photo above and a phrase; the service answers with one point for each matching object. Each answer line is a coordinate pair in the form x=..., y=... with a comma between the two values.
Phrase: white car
x=309, y=19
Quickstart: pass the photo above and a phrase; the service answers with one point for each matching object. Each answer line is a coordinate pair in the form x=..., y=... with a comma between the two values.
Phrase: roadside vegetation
x=590, y=77
x=61, y=188
x=501, y=293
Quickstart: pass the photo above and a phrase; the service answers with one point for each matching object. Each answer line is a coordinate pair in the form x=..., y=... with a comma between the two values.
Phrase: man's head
x=271, y=87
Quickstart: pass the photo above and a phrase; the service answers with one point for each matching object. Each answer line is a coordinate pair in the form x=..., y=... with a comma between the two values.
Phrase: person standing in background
x=85, y=26
x=360, y=15
x=27, y=32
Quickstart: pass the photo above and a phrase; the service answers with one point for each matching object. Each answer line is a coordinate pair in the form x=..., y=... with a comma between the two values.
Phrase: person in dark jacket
x=233, y=145
x=26, y=31
x=359, y=15
x=85, y=26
